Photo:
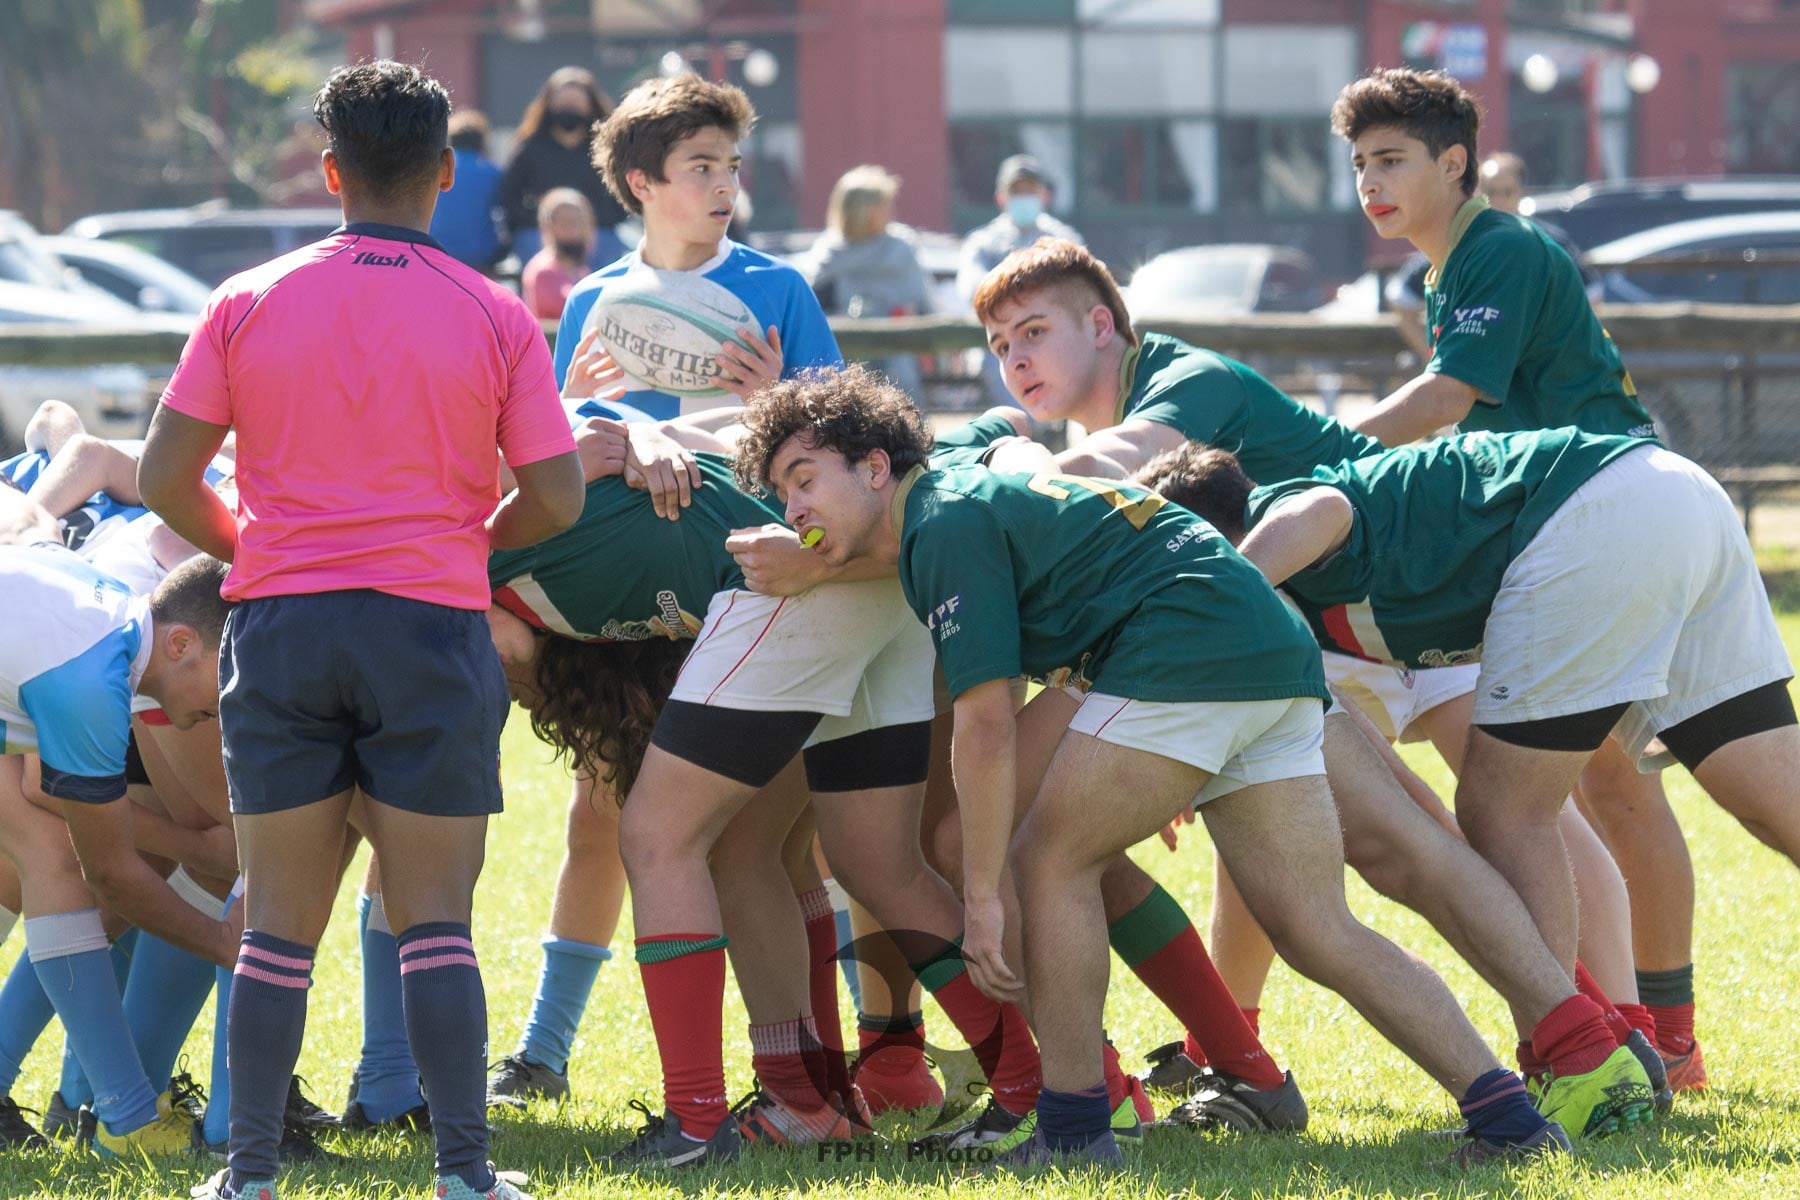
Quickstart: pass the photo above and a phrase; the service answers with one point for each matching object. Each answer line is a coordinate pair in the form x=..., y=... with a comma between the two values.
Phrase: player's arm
x=547, y=501
x=1116, y=452
x=712, y=420
x=1418, y=409
x=984, y=761
x=1298, y=532
x=211, y=851
x=171, y=480
x=775, y=563
x=83, y=466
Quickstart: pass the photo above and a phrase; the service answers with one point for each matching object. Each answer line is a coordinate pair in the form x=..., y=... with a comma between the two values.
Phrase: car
x=1744, y=258
x=127, y=273
x=114, y=399
x=1231, y=278
x=1597, y=213
x=211, y=241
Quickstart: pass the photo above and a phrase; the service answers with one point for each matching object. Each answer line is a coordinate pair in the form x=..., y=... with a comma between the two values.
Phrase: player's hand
x=984, y=939
x=592, y=372
x=603, y=446
x=231, y=936
x=217, y=853
x=773, y=561
x=663, y=467
x=1168, y=834
x=742, y=371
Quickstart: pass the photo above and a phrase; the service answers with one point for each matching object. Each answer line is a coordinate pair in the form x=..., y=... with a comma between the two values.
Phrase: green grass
x=1370, y=1107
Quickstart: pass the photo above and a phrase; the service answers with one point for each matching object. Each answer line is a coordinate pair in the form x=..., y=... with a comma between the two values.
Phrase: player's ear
x=881, y=467
x=446, y=170
x=181, y=641
x=638, y=180
x=1100, y=317
x=334, y=181
x=1454, y=162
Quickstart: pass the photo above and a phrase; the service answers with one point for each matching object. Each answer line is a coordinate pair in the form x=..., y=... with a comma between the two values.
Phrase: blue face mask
x=1025, y=208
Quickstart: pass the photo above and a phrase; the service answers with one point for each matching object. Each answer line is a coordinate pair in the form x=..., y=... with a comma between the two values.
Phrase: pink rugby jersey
x=373, y=382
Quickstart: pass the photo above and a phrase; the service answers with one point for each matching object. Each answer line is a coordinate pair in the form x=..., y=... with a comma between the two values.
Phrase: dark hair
x=655, y=117
x=387, y=124
x=189, y=595
x=1067, y=270
x=468, y=130
x=532, y=122
x=600, y=701
x=1427, y=105
x=1203, y=479
x=851, y=410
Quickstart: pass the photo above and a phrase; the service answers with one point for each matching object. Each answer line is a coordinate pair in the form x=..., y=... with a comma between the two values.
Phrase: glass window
x=772, y=174
x=1762, y=118
x=977, y=148
x=1275, y=71
x=1021, y=12
x=1131, y=164
x=1147, y=72
x=992, y=72
x=1148, y=12
x=1275, y=166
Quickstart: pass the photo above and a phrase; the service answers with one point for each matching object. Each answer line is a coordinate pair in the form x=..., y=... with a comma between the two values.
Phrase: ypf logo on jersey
x=940, y=622
x=1475, y=320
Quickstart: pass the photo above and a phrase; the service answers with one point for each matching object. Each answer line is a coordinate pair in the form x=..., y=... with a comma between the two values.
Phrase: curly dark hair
x=852, y=411
x=601, y=700
x=1428, y=105
x=387, y=124
x=1203, y=479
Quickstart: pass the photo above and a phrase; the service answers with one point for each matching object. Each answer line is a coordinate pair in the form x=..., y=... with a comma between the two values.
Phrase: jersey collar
x=1471, y=208
x=897, y=509
x=389, y=233
x=1127, y=380
x=637, y=263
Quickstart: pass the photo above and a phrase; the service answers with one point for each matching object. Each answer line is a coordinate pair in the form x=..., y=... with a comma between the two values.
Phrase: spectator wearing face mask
x=550, y=150
x=1022, y=193
x=566, y=225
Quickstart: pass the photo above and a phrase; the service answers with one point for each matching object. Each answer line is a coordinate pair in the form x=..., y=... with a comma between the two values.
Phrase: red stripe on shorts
x=1337, y=624
x=768, y=625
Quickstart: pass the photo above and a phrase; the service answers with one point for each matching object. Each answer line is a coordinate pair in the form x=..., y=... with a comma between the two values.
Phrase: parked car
x=1597, y=213
x=114, y=399
x=1241, y=278
x=1746, y=258
x=138, y=278
x=210, y=241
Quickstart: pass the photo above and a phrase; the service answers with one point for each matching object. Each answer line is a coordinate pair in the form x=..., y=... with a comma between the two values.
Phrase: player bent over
x=1002, y=570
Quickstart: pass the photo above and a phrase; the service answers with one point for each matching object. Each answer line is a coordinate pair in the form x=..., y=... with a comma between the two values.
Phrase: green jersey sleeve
x=967, y=445
x=1487, y=315
x=957, y=573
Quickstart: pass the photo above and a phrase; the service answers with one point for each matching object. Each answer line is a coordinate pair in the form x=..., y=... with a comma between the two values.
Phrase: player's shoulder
x=1496, y=237
x=238, y=291
x=745, y=267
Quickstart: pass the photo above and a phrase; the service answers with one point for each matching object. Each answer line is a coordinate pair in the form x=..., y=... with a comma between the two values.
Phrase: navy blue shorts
x=399, y=697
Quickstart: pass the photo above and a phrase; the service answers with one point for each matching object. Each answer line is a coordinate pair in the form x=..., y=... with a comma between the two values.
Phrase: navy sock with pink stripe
x=263, y=1029
x=446, y=1021
x=1499, y=1109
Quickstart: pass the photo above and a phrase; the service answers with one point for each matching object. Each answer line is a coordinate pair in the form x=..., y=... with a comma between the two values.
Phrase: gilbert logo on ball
x=665, y=329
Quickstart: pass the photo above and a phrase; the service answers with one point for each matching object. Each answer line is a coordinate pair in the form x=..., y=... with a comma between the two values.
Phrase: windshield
x=22, y=262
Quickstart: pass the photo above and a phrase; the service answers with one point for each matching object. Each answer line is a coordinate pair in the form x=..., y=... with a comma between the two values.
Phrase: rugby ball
x=665, y=329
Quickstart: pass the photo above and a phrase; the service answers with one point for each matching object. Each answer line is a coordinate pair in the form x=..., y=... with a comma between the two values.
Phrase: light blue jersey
x=73, y=645
x=100, y=516
x=777, y=293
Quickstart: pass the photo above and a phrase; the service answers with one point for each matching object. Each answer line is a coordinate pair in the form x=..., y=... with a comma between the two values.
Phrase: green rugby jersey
x=967, y=445
x=623, y=574
x=1436, y=525
x=1216, y=400
x=1509, y=316
x=1088, y=582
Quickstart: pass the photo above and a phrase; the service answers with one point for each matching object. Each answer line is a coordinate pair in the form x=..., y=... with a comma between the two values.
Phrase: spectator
x=864, y=265
x=550, y=150
x=566, y=227
x=466, y=221
x=1022, y=193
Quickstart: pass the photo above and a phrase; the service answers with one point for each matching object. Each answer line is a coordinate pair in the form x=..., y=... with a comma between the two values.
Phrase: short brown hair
x=1427, y=105
x=1203, y=479
x=655, y=117
x=189, y=595
x=852, y=411
x=1057, y=265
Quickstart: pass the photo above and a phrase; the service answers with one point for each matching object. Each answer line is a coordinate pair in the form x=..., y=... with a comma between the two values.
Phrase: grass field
x=1371, y=1109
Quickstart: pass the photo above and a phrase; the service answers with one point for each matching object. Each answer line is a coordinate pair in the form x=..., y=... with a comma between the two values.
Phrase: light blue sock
x=68, y=951
x=216, y=1128
x=846, y=964
x=570, y=968
x=25, y=1012
x=387, y=1079
x=73, y=1087
x=163, y=996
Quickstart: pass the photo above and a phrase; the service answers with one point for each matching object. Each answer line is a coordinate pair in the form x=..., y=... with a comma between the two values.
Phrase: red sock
x=893, y=1039
x=1253, y=1018
x=1192, y=1049
x=1114, y=1076
x=1000, y=1039
x=1529, y=1063
x=1674, y=1027
x=778, y=1055
x=1615, y=1020
x=1574, y=1038
x=1183, y=977
x=1638, y=1017
x=822, y=986
x=684, y=986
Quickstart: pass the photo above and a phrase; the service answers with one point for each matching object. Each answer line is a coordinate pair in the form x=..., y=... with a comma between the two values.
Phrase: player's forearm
x=209, y=851
x=547, y=501
x=711, y=420
x=1298, y=533
x=1418, y=409
x=192, y=509
x=700, y=438
x=124, y=883
x=1081, y=460
x=984, y=761
x=85, y=465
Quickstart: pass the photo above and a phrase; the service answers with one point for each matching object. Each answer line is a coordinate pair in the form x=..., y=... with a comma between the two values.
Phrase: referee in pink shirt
x=374, y=383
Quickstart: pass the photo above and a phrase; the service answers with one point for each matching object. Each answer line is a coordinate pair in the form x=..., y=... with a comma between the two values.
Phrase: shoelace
x=298, y=1101
x=183, y=1090
x=653, y=1123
